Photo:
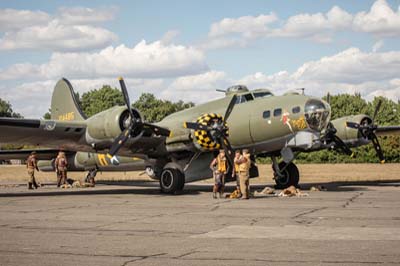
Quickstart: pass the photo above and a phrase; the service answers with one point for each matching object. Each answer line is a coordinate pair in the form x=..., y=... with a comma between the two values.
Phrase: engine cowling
x=350, y=135
x=108, y=124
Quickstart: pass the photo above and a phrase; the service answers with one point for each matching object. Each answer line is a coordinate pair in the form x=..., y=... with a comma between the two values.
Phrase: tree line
x=154, y=110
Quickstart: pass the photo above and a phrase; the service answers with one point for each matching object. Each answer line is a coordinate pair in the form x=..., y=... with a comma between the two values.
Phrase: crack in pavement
x=352, y=199
x=143, y=258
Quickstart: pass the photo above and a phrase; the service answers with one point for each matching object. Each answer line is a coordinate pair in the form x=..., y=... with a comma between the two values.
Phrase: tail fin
x=64, y=105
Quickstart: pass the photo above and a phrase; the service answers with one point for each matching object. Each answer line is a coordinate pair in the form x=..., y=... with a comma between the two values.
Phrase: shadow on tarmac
x=152, y=188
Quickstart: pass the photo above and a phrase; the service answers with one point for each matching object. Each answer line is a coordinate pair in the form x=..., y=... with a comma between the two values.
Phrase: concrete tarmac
x=117, y=224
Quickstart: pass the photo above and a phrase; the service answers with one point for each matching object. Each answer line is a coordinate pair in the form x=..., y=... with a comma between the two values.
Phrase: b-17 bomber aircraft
x=179, y=149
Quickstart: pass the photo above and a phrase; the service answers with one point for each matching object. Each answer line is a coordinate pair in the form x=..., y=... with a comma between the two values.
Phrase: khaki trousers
x=244, y=184
x=32, y=180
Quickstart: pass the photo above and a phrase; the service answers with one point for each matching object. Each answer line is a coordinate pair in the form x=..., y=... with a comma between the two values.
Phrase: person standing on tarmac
x=61, y=164
x=220, y=167
x=31, y=164
x=244, y=163
x=235, y=173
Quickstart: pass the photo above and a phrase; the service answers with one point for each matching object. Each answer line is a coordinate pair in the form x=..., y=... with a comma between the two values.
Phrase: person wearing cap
x=244, y=163
x=220, y=167
x=61, y=164
x=31, y=164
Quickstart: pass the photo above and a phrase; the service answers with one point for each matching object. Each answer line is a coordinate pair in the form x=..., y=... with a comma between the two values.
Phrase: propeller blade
x=195, y=126
x=230, y=107
x=119, y=141
x=378, y=106
x=377, y=147
x=160, y=131
x=328, y=98
x=343, y=146
x=126, y=95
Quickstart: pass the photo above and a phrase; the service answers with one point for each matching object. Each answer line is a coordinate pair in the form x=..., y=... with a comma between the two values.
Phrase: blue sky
x=187, y=49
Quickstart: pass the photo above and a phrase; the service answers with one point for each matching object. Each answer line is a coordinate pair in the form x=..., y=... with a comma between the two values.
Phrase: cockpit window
x=261, y=94
x=317, y=114
x=244, y=98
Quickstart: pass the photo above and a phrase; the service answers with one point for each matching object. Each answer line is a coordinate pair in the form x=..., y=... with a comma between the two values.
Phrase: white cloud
x=197, y=88
x=85, y=15
x=381, y=20
x=59, y=37
x=315, y=26
x=349, y=71
x=13, y=19
x=248, y=26
x=70, y=30
x=352, y=66
x=153, y=60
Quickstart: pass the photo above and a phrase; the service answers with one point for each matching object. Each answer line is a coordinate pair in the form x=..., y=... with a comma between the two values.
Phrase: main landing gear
x=285, y=174
x=172, y=180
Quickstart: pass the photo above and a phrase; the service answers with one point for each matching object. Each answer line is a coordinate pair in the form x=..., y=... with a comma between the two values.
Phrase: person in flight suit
x=220, y=167
x=31, y=164
x=235, y=174
x=61, y=164
x=244, y=162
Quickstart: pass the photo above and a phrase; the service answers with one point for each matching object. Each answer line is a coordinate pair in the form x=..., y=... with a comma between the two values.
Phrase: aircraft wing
x=68, y=135
x=41, y=154
x=387, y=130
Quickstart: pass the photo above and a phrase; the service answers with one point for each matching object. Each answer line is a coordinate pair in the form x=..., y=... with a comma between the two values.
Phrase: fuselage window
x=277, y=112
x=266, y=114
x=296, y=110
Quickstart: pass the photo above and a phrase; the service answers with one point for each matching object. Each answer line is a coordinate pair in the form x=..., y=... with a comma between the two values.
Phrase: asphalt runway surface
x=133, y=224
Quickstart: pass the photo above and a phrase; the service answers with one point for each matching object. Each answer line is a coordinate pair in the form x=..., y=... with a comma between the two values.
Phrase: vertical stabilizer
x=64, y=105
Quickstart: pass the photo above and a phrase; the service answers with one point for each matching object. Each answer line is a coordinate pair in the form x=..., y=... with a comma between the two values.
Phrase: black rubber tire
x=291, y=176
x=171, y=181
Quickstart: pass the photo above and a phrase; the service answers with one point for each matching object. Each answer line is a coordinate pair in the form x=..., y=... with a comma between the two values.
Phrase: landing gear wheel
x=171, y=180
x=290, y=176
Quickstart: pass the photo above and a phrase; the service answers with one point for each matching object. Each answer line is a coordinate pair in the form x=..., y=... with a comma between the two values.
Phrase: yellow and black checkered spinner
x=203, y=137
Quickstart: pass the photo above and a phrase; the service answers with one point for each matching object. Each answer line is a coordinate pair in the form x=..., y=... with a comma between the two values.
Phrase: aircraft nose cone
x=317, y=114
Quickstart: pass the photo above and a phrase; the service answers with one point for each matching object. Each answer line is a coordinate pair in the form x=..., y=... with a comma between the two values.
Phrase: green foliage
x=154, y=110
x=95, y=101
x=6, y=110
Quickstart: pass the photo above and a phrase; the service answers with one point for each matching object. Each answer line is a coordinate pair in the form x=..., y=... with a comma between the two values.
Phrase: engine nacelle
x=80, y=161
x=349, y=135
x=108, y=124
